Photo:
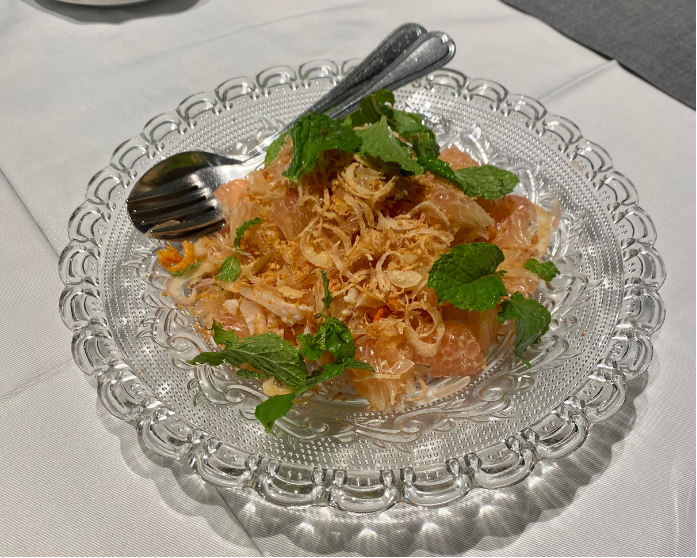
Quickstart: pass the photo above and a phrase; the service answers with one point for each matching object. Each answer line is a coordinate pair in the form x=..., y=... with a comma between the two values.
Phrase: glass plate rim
x=167, y=434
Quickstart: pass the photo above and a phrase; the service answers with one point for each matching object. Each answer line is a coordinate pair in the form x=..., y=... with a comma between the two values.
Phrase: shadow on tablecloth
x=112, y=14
x=487, y=520
x=172, y=478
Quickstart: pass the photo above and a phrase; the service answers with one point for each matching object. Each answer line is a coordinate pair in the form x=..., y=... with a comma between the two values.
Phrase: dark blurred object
x=83, y=12
x=654, y=40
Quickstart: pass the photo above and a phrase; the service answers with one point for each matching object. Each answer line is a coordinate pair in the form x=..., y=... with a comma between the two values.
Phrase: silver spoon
x=174, y=200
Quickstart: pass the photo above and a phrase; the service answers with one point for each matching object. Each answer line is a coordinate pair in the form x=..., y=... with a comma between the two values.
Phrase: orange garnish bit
x=381, y=313
x=173, y=261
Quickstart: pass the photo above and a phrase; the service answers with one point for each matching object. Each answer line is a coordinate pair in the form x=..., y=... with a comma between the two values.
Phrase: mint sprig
x=277, y=406
x=333, y=336
x=531, y=322
x=378, y=141
x=545, y=270
x=224, y=336
x=271, y=356
x=313, y=134
x=466, y=276
x=408, y=125
x=274, y=408
x=486, y=182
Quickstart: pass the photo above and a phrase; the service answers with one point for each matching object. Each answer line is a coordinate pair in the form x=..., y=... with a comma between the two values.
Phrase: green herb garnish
x=336, y=368
x=467, y=278
x=223, y=336
x=546, y=271
x=531, y=322
x=408, y=125
x=239, y=233
x=486, y=182
x=273, y=149
x=267, y=352
x=274, y=408
x=378, y=141
x=271, y=356
x=333, y=336
x=313, y=134
x=230, y=270
x=183, y=271
x=327, y=298
x=277, y=406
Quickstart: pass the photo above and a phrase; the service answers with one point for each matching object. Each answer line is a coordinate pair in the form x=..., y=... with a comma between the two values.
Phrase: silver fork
x=175, y=199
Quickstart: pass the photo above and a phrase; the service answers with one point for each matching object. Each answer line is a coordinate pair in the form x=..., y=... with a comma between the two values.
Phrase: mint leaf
x=251, y=374
x=441, y=168
x=546, y=271
x=230, y=270
x=310, y=348
x=336, y=338
x=332, y=370
x=223, y=336
x=466, y=276
x=333, y=336
x=407, y=124
x=273, y=149
x=273, y=409
x=379, y=142
x=531, y=322
x=327, y=299
x=312, y=134
x=214, y=358
x=239, y=233
x=268, y=353
x=425, y=145
x=486, y=182
x=373, y=107
x=183, y=271
x=410, y=126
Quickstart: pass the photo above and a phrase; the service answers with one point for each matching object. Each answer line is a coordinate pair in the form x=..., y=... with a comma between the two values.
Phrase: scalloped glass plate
x=485, y=434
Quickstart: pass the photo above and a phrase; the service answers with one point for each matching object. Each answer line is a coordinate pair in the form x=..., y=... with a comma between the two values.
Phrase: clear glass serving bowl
x=488, y=433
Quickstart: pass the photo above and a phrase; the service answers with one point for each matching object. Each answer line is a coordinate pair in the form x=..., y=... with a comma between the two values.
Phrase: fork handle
x=384, y=55
x=428, y=53
x=375, y=64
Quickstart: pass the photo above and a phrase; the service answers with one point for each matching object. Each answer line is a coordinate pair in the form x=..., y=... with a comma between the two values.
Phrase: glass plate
x=486, y=434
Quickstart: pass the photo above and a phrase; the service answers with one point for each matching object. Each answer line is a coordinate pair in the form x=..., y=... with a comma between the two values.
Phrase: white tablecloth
x=75, y=83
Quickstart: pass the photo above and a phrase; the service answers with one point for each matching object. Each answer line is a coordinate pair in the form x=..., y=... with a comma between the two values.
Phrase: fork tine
x=183, y=213
x=166, y=191
x=200, y=225
x=191, y=233
x=144, y=211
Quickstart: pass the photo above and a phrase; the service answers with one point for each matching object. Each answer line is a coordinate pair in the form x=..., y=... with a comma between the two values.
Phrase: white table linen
x=75, y=481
